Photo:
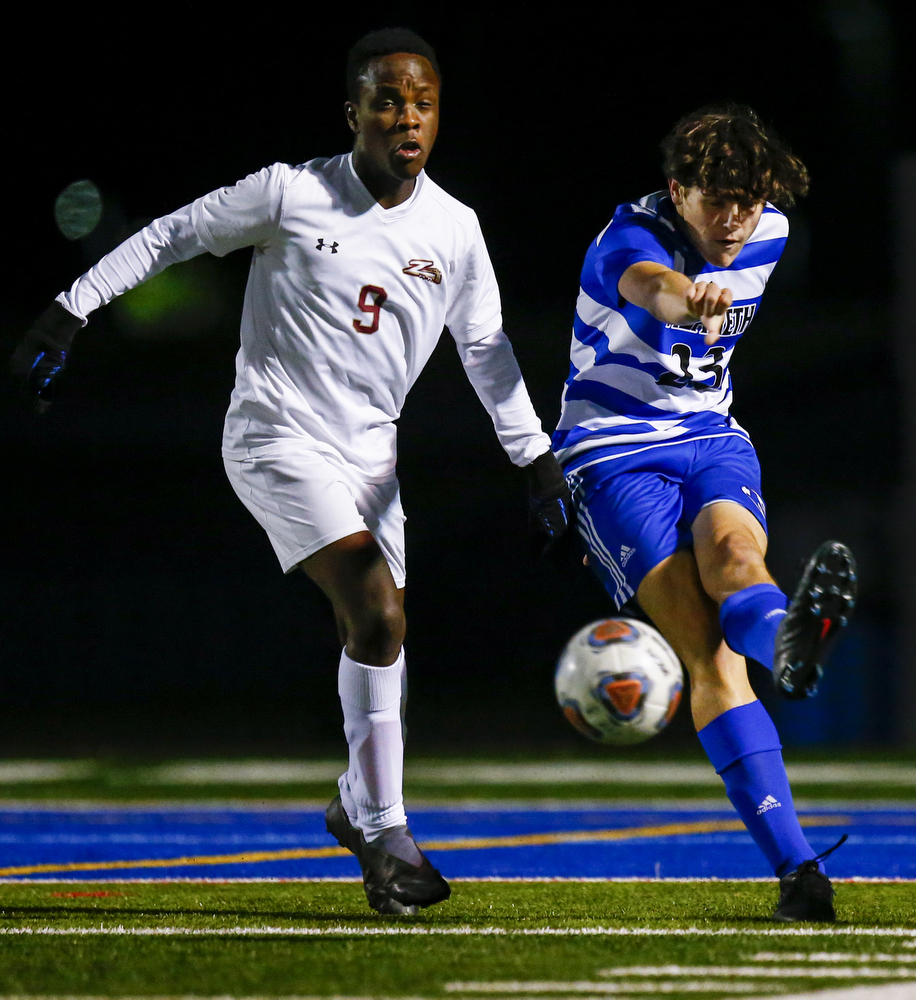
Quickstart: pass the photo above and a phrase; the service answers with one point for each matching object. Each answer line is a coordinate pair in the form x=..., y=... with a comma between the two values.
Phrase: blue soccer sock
x=749, y=620
x=744, y=748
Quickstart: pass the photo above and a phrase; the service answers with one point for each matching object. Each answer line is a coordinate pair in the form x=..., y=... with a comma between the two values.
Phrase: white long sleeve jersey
x=344, y=305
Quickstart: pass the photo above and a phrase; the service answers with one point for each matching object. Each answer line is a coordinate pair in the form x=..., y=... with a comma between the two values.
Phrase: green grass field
x=319, y=939
x=491, y=939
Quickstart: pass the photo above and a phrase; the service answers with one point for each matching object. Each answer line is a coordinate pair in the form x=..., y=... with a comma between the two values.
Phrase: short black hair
x=385, y=42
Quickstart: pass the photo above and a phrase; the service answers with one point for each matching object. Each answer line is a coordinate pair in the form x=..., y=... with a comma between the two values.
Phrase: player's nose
x=737, y=216
x=409, y=118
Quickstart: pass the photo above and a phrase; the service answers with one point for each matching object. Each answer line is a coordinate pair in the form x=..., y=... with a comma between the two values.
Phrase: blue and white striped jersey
x=633, y=379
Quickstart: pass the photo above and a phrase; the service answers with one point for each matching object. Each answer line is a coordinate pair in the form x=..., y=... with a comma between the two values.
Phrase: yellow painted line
x=245, y=857
x=466, y=844
x=626, y=833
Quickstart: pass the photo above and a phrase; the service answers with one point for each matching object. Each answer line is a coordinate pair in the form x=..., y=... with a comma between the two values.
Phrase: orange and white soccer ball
x=618, y=681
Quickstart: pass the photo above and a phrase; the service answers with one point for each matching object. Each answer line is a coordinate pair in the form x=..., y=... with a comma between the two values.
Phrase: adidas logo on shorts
x=768, y=803
x=625, y=553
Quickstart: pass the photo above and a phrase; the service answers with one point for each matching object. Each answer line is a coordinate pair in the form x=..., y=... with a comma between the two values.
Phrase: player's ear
x=676, y=191
x=351, y=112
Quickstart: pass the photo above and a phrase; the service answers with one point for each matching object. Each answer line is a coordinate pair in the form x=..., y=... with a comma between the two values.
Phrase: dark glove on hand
x=550, y=508
x=39, y=360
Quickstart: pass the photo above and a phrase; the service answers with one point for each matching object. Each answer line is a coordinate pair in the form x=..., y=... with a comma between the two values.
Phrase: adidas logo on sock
x=768, y=803
x=625, y=553
x=775, y=613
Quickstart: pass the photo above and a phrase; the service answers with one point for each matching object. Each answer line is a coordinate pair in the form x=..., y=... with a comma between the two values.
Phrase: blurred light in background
x=193, y=300
x=78, y=209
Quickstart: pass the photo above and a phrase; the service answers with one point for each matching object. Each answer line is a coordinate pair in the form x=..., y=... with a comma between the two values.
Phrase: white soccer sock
x=372, y=788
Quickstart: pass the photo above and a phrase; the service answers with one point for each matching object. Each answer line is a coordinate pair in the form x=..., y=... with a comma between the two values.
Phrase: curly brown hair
x=725, y=149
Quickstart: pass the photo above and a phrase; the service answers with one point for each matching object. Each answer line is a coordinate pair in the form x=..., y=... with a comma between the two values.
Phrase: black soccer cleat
x=823, y=601
x=807, y=893
x=392, y=885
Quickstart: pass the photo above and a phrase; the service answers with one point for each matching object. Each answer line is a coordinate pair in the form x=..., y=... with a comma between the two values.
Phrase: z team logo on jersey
x=737, y=320
x=424, y=269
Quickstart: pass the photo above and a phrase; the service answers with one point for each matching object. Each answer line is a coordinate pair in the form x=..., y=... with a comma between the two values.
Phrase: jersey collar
x=386, y=213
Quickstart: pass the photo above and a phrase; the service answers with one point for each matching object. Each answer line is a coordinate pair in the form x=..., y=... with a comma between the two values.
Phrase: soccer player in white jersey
x=667, y=484
x=359, y=262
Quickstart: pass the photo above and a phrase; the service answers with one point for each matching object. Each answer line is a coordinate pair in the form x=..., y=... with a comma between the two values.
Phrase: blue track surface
x=882, y=843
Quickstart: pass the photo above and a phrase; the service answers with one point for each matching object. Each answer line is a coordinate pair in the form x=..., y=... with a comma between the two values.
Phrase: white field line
x=610, y=801
x=672, y=986
x=445, y=774
x=599, y=989
x=661, y=773
x=758, y=972
x=828, y=956
x=549, y=772
x=541, y=879
x=119, y=930
x=890, y=991
x=18, y=771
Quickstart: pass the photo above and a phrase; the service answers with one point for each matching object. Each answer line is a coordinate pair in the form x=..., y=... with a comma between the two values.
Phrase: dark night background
x=143, y=609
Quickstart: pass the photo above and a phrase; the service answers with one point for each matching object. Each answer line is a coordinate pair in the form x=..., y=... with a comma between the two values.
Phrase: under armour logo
x=330, y=246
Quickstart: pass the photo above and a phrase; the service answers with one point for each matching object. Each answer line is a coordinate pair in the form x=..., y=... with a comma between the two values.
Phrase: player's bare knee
x=375, y=635
x=730, y=547
x=731, y=562
x=737, y=547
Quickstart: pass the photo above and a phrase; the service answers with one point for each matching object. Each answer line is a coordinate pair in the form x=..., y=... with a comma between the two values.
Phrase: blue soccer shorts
x=636, y=505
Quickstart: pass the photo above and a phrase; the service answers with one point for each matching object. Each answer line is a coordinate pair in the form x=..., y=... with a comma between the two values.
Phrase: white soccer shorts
x=305, y=500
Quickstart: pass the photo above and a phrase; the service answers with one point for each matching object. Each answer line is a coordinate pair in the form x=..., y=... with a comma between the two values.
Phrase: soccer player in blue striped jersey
x=667, y=484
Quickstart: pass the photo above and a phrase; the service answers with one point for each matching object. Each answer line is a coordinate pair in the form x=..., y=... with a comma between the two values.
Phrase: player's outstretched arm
x=246, y=214
x=672, y=297
x=40, y=358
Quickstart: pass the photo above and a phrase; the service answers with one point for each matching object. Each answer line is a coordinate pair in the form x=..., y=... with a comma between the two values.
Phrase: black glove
x=39, y=360
x=550, y=508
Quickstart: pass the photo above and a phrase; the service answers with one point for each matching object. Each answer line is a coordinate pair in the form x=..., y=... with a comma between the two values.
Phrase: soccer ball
x=618, y=681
